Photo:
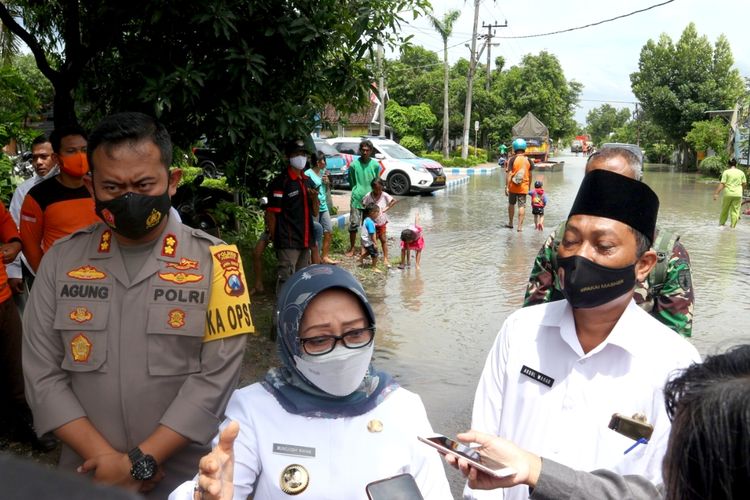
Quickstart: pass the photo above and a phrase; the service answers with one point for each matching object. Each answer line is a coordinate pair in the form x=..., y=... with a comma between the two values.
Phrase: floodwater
x=436, y=325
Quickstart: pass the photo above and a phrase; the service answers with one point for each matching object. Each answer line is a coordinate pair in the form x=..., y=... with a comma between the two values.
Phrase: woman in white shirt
x=326, y=423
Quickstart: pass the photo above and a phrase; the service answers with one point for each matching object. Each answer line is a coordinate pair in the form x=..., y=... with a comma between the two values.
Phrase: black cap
x=538, y=184
x=294, y=146
x=614, y=196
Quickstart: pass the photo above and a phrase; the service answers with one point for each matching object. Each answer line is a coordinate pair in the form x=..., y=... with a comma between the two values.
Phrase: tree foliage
x=604, y=120
x=537, y=84
x=244, y=74
x=678, y=83
x=709, y=134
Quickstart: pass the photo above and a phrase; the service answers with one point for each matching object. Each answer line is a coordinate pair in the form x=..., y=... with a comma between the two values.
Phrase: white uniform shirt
x=567, y=422
x=14, y=268
x=340, y=455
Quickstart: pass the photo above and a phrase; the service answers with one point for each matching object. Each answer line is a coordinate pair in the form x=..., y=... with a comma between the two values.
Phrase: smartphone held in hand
x=447, y=446
x=401, y=487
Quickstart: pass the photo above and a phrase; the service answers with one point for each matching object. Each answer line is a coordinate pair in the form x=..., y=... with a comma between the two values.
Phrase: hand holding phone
x=476, y=459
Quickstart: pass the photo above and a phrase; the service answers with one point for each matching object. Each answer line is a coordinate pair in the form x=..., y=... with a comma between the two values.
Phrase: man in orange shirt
x=61, y=204
x=517, y=182
x=14, y=419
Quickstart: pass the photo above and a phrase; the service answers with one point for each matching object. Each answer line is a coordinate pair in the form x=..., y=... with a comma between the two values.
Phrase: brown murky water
x=436, y=325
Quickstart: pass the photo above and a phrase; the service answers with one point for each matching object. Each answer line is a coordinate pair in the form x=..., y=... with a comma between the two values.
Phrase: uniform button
x=583, y=361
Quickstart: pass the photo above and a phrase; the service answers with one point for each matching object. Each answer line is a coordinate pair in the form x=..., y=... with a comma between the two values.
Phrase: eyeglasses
x=323, y=344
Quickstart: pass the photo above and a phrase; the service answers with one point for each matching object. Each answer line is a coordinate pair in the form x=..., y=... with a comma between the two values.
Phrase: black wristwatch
x=144, y=466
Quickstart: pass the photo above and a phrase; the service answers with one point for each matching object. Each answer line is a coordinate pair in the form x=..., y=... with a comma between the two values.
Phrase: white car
x=403, y=171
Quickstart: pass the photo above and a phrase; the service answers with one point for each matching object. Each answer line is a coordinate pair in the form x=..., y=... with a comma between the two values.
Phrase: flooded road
x=436, y=325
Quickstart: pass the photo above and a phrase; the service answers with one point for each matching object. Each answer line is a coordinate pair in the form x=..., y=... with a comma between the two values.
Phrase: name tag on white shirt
x=538, y=376
x=293, y=450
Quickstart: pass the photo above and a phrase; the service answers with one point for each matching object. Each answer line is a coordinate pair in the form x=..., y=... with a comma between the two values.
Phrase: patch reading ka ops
x=228, y=312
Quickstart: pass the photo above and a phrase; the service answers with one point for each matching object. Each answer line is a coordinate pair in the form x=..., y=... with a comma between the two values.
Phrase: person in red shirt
x=15, y=417
x=61, y=204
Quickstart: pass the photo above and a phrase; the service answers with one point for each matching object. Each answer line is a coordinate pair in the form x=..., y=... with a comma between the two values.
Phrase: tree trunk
x=446, y=117
x=63, y=105
x=470, y=84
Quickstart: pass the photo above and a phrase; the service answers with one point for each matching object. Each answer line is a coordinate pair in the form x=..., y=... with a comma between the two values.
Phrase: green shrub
x=438, y=157
x=412, y=143
x=712, y=166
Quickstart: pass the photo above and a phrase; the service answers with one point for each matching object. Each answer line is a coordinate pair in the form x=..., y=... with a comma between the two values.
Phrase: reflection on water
x=436, y=326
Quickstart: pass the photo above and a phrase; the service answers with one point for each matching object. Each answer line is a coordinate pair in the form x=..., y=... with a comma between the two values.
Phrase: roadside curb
x=340, y=221
x=473, y=170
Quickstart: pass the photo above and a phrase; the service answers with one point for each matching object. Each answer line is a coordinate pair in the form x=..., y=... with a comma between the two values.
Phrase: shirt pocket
x=175, y=339
x=83, y=332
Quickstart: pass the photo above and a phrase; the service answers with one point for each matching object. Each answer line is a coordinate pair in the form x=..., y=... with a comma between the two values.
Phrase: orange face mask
x=75, y=165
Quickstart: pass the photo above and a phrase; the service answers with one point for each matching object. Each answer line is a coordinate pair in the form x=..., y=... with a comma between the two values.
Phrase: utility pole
x=381, y=91
x=470, y=83
x=637, y=116
x=488, y=37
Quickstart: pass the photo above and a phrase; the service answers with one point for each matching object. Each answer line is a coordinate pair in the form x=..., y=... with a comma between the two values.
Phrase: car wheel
x=399, y=184
x=209, y=169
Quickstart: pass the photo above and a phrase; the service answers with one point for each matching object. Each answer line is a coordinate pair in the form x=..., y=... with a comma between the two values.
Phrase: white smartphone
x=485, y=464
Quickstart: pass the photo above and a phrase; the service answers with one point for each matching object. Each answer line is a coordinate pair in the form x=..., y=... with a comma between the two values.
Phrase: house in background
x=362, y=123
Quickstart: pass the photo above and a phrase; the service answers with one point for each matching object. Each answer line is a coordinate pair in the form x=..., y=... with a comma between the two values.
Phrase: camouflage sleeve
x=674, y=303
x=542, y=277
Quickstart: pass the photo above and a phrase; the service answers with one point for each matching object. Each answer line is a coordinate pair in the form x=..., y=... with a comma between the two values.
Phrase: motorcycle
x=195, y=204
x=22, y=166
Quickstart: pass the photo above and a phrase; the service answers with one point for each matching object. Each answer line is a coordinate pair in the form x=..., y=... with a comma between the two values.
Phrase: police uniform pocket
x=83, y=333
x=175, y=338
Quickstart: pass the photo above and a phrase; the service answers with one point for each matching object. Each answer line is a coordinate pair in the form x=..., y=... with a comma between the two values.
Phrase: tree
x=539, y=85
x=678, y=83
x=709, y=134
x=445, y=28
x=412, y=120
x=245, y=74
x=604, y=120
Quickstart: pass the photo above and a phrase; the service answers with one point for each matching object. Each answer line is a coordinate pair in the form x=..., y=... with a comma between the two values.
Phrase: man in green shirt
x=362, y=171
x=733, y=182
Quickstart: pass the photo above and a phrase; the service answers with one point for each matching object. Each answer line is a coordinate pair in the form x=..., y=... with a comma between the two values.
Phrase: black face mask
x=587, y=284
x=134, y=215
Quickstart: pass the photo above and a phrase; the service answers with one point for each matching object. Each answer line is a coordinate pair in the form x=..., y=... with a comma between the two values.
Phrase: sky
x=600, y=57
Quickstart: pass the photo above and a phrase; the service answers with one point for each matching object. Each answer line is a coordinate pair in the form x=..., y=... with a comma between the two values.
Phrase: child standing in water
x=411, y=239
x=385, y=201
x=371, y=212
x=538, y=202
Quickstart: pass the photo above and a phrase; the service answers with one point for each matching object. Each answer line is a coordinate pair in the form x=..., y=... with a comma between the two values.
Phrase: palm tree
x=445, y=28
x=9, y=43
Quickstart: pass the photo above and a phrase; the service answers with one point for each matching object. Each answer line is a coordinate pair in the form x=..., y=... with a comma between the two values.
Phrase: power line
x=591, y=24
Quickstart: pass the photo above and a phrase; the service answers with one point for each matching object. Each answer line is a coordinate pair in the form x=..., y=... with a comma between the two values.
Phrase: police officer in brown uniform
x=133, y=331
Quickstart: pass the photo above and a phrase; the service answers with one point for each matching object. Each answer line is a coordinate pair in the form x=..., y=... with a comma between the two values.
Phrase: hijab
x=290, y=388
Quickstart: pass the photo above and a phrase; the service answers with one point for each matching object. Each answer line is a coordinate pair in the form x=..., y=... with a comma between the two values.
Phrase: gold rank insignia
x=184, y=264
x=169, y=246
x=294, y=479
x=81, y=314
x=80, y=348
x=375, y=425
x=153, y=219
x=105, y=242
x=176, y=318
x=181, y=278
x=87, y=273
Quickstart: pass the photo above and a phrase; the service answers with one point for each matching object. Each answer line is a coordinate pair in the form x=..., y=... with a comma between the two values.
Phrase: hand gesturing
x=216, y=470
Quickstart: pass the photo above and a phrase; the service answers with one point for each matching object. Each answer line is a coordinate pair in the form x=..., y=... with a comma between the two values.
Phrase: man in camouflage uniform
x=670, y=300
